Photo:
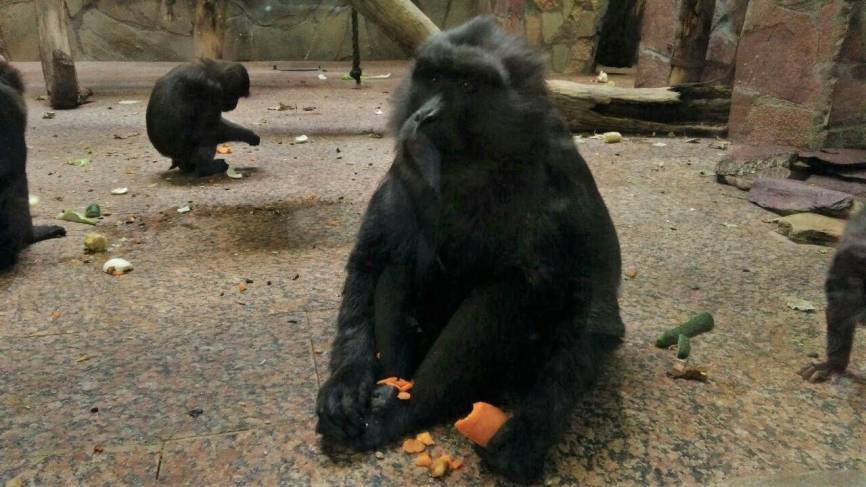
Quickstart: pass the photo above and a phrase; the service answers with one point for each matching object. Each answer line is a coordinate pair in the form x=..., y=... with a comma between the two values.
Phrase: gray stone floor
x=177, y=334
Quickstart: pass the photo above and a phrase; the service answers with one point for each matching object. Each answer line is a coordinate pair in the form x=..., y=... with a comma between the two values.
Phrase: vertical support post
x=58, y=66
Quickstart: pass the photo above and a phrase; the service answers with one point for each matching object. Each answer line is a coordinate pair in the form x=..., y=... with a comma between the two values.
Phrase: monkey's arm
x=344, y=398
x=230, y=132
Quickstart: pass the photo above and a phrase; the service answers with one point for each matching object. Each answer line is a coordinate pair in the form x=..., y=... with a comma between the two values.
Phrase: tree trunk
x=697, y=110
x=401, y=21
x=58, y=66
x=209, y=31
x=696, y=19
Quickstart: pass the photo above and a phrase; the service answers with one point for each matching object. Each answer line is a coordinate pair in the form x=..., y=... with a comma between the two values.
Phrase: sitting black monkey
x=487, y=267
x=846, y=301
x=184, y=114
x=16, y=227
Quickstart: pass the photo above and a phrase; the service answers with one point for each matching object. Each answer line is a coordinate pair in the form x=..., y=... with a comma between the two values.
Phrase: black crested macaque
x=846, y=301
x=16, y=227
x=184, y=114
x=487, y=267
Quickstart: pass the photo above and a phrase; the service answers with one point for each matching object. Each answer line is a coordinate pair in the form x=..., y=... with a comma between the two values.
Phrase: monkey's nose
x=429, y=111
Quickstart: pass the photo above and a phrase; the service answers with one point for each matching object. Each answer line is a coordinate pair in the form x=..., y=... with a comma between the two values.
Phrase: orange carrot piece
x=423, y=460
x=482, y=423
x=425, y=438
x=404, y=385
x=388, y=380
x=404, y=396
x=413, y=446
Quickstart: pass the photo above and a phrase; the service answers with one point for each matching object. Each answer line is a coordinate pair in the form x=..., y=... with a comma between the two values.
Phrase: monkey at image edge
x=16, y=226
x=846, y=301
x=487, y=266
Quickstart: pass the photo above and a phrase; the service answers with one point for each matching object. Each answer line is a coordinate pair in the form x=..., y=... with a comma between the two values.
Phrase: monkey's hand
x=343, y=403
x=515, y=451
x=387, y=420
x=820, y=372
x=254, y=139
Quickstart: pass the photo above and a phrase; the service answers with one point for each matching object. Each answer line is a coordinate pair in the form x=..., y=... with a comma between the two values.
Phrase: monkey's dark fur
x=184, y=120
x=16, y=227
x=487, y=266
x=846, y=301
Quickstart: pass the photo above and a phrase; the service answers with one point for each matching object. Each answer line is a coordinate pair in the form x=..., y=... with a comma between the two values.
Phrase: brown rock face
x=788, y=196
x=658, y=38
x=744, y=165
x=801, y=75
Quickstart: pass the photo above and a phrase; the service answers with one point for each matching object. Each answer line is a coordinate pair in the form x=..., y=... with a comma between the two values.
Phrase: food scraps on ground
x=482, y=423
x=425, y=438
x=33, y=200
x=93, y=211
x=631, y=272
x=681, y=370
x=440, y=466
x=302, y=139
x=117, y=266
x=95, y=242
x=611, y=137
x=232, y=173
x=80, y=162
x=120, y=191
x=242, y=287
x=412, y=446
x=423, y=460
x=700, y=323
x=683, y=347
x=70, y=215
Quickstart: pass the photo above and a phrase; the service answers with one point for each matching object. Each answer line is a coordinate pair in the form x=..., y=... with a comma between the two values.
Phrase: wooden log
x=58, y=66
x=209, y=28
x=603, y=108
x=401, y=21
x=687, y=63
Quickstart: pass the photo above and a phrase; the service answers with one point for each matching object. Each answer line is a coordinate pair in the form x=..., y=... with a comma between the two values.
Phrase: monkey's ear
x=479, y=31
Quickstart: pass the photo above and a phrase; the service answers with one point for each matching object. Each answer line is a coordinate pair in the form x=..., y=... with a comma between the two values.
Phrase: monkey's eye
x=467, y=86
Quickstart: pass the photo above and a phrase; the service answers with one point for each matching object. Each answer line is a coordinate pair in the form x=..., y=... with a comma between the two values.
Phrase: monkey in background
x=846, y=301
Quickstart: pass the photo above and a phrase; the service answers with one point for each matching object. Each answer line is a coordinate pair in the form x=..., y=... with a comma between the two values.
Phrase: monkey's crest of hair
x=11, y=77
x=480, y=47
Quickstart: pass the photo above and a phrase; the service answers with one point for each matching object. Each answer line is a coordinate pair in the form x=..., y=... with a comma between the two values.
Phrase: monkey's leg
x=45, y=232
x=231, y=132
x=204, y=163
x=519, y=448
x=397, y=330
x=483, y=338
x=846, y=304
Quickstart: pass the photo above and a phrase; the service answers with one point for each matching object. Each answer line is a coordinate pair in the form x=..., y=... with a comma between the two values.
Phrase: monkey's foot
x=254, y=139
x=209, y=168
x=45, y=232
x=820, y=372
x=514, y=452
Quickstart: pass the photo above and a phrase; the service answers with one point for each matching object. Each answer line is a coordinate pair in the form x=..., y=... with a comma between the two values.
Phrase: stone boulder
x=812, y=228
x=744, y=165
x=788, y=196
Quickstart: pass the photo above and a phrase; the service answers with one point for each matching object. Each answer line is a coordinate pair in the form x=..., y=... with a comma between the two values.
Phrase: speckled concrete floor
x=177, y=334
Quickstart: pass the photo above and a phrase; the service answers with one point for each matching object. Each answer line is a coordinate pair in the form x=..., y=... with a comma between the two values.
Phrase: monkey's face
x=464, y=95
x=235, y=82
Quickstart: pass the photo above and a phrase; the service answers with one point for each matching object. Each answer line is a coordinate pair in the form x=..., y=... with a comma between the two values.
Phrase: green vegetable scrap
x=75, y=217
x=683, y=347
x=696, y=325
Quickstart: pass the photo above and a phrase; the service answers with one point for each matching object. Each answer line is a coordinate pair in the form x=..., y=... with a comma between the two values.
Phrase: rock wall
x=728, y=21
x=148, y=30
x=658, y=38
x=800, y=75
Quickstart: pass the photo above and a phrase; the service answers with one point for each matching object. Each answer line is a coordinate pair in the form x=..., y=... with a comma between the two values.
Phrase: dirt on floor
x=172, y=374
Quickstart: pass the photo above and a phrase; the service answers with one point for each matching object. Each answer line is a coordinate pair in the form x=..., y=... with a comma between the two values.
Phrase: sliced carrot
x=404, y=385
x=388, y=380
x=482, y=423
x=440, y=466
x=456, y=463
x=242, y=287
x=413, y=446
x=404, y=396
x=425, y=438
x=423, y=460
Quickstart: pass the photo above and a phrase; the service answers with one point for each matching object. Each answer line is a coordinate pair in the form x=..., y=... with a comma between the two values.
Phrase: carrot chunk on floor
x=482, y=423
x=413, y=446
